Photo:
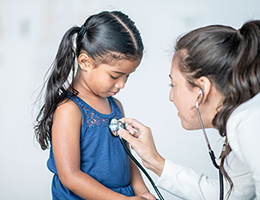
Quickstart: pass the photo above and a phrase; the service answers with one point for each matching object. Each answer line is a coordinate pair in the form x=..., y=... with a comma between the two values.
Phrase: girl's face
x=106, y=80
x=184, y=97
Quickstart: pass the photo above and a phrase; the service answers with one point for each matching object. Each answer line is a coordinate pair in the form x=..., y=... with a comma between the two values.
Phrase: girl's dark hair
x=231, y=60
x=105, y=37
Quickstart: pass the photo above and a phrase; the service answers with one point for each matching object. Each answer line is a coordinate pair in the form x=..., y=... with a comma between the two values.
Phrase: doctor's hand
x=141, y=140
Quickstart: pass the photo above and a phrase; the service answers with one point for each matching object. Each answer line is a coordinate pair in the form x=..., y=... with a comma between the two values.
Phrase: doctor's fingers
x=132, y=130
x=134, y=123
x=128, y=137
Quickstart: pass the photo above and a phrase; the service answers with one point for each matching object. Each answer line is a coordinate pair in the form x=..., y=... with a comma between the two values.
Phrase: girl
x=217, y=70
x=87, y=161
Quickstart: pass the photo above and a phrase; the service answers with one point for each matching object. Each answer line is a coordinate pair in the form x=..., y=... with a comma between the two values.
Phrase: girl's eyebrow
x=170, y=76
x=121, y=72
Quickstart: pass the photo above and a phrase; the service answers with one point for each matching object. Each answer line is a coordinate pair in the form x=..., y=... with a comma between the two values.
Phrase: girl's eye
x=114, y=77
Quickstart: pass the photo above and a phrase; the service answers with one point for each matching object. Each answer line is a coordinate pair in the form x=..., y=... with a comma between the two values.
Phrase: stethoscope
x=211, y=152
x=114, y=127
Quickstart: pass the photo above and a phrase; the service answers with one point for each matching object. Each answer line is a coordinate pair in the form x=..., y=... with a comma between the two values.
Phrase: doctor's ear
x=85, y=61
x=205, y=87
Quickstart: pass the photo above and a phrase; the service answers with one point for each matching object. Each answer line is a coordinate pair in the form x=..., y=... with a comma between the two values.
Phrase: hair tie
x=82, y=31
x=239, y=34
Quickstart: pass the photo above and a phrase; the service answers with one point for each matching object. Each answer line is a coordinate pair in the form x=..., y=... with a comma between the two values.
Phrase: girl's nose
x=121, y=83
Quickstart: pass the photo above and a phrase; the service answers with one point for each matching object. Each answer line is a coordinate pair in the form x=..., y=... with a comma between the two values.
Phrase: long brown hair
x=230, y=58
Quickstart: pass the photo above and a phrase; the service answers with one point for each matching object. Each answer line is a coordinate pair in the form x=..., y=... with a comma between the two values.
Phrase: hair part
x=127, y=29
x=116, y=38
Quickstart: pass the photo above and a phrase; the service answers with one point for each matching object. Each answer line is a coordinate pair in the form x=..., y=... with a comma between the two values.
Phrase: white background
x=30, y=32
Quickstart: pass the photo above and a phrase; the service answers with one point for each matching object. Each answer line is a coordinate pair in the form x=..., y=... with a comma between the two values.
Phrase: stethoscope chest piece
x=114, y=126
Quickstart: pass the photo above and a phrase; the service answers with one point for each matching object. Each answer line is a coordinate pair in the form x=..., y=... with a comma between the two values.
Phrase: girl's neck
x=84, y=91
x=100, y=104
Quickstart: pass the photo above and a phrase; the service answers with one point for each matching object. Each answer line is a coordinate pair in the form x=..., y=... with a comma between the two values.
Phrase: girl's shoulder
x=119, y=104
x=67, y=110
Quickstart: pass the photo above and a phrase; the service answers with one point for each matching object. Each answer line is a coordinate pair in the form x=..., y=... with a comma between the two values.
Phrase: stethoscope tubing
x=211, y=152
x=121, y=125
x=141, y=168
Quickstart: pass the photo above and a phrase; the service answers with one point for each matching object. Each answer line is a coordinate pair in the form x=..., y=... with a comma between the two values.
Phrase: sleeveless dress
x=102, y=155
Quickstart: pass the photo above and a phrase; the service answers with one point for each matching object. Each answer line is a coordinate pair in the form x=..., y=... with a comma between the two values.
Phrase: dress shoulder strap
x=117, y=110
x=79, y=103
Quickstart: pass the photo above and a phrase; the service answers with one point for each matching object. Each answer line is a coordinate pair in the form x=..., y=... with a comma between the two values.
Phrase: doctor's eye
x=171, y=85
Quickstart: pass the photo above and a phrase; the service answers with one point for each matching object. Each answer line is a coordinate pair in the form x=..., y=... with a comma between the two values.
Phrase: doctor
x=218, y=68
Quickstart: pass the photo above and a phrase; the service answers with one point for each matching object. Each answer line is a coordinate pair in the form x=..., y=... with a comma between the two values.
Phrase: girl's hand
x=141, y=140
x=148, y=196
x=138, y=198
x=145, y=196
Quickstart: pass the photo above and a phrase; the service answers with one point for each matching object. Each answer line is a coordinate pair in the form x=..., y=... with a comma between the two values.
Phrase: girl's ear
x=84, y=61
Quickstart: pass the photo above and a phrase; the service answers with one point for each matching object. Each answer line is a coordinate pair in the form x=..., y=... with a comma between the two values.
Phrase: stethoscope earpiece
x=197, y=101
x=200, y=92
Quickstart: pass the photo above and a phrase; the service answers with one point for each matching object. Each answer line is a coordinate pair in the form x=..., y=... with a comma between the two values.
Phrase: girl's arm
x=67, y=121
x=138, y=183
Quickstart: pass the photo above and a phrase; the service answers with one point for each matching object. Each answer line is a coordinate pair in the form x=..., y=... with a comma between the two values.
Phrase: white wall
x=30, y=32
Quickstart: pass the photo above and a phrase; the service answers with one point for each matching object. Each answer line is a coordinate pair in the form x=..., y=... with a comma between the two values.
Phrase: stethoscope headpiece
x=114, y=126
x=197, y=102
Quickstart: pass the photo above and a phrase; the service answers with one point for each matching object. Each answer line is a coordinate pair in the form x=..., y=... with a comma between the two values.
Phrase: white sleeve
x=185, y=183
x=248, y=147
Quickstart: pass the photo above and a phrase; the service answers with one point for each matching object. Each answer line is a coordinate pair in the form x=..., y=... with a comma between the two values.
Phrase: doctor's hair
x=230, y=59
x=105, y=37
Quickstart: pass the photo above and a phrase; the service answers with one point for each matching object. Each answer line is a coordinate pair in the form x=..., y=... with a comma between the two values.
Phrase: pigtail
x=56, y=89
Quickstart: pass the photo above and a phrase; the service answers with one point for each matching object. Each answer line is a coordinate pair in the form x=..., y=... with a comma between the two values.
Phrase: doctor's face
x=184, y=97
